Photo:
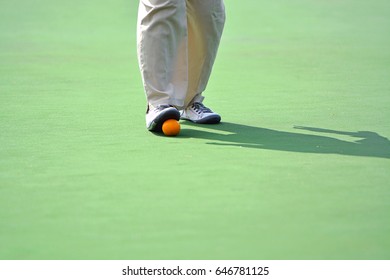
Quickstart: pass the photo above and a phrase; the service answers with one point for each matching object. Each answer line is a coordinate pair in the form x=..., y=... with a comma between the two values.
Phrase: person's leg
x=162, y=51
x=206, y=19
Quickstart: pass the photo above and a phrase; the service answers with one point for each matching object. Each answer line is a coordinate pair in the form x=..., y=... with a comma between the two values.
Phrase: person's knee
x=170, y=13
x=169, y=7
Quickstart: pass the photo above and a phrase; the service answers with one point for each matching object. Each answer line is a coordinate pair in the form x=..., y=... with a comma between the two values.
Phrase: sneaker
x=198, y=113
x=156, y=116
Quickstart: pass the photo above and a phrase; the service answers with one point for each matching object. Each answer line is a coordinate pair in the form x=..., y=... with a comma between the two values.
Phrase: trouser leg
x=205, y=19
x=162, y=50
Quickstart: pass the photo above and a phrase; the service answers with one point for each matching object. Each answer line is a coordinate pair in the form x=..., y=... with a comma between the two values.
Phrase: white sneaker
x=198, y=113
x=156, y=116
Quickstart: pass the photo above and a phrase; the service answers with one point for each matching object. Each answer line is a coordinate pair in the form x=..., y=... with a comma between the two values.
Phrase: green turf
x=298, y=170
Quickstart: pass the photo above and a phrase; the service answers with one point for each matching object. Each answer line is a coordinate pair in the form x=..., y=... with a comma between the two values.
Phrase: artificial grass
x=297, y=170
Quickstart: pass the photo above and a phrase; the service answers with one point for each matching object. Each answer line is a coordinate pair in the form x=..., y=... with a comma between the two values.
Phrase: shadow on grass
x=367, y=144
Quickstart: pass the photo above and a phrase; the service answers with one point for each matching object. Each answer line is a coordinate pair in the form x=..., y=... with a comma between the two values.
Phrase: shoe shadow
x=367, y=143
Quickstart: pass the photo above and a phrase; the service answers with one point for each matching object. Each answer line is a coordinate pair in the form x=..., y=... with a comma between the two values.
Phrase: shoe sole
x=214, y=119
x=156, y=124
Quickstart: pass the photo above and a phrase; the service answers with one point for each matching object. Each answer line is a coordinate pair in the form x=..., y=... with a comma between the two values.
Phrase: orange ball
x=171, y=127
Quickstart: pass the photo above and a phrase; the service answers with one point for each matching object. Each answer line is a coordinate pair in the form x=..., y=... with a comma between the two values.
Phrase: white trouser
x=177, y=45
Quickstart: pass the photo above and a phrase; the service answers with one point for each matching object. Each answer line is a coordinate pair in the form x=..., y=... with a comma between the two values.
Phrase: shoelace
x=200, y=108
x=157, y=108
x=162, y=107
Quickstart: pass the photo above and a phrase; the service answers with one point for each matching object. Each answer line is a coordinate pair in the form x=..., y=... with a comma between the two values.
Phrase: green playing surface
x=299, y=168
